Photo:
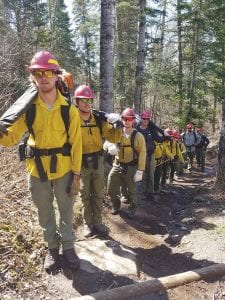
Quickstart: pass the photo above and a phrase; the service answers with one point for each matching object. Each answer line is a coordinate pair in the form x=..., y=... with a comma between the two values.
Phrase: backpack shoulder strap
x=132, y=139
x=30, y=117
x=98, y=121
x=66, y=116
x=195, y=136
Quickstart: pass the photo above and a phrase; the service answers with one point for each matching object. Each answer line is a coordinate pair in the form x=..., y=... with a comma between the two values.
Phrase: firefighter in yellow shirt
x=53, y=157
x=169, y=166
x=129, y=164
x=162, y=155
x=95, y=127
x=180, y=164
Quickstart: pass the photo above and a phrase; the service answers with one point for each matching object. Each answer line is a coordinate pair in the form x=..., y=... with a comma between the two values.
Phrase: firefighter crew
x=201, y=149
x=54, y=159
x=191, y=139
x=148, y=176
x=94, y=129
x=129, y=164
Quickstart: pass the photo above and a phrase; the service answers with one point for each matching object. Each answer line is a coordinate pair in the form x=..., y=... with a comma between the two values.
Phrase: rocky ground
x=181, y=229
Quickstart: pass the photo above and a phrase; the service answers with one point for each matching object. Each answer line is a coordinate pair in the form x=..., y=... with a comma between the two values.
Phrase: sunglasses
x=87, y=100
x=40, y=74
x=128, y=119
x=145, y=119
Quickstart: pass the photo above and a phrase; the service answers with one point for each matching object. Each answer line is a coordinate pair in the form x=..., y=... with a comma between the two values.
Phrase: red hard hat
x=168, y=132
x=146, y=114
x=83, y=91
x=189, y=126
x=199, y=130
x=128, y=112
x=44, y=60
x=176, y=135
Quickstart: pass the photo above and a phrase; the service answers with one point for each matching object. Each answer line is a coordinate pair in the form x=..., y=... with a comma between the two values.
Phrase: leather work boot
x=87, y=230
x=101, y=230
x=72, y=259
x=51, y=262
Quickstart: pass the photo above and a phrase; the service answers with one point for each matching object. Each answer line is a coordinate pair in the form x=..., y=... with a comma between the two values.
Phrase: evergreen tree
x=86, y=24
x=60, y=35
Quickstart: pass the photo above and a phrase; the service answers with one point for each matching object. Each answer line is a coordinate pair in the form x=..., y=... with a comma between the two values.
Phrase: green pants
x=43, y=195
x=148, y=177
x=92, y=192
x=119, y=177
x=157, y=176
x=190, y=156
x=200, y=157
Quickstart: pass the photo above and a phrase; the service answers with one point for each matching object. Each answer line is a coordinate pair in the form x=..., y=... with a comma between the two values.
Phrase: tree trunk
x=180, y=57
x=140, y=57
x=107, y=54
x=194, y=62
x=135, y=291
x=221, y=154
x=214, y=113
x=121, y=59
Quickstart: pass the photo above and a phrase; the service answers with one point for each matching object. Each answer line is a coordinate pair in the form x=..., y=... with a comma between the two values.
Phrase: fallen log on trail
x=134, y=291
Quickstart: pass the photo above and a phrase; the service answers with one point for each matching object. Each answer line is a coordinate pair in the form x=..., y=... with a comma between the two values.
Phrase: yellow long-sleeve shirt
x=173, y=149
x=126, y=154
x=49, y=130
x=92, y=136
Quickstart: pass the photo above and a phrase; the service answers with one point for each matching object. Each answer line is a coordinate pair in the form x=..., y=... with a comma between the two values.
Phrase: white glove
x=113, y=117
x=138, y=176
x=112, y=149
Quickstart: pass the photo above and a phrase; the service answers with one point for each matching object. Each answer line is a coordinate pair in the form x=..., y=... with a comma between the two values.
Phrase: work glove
x=138, y=176
x=3, y=130
x=112, y=149
x=113, y=118
x=75, y=185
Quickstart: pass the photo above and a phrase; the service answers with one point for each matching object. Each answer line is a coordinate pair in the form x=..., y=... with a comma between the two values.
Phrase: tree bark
x=180, y=57
x=107, y=54
x=140, y=57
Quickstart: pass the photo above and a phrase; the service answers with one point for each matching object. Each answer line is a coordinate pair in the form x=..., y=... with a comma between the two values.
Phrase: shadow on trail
x=151, y=263
x=177, y=210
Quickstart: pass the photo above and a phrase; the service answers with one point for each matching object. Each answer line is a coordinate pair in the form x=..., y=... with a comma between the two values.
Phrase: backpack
x=30, y=117
x=31, y=113
x=132, y=138
x=99, y=116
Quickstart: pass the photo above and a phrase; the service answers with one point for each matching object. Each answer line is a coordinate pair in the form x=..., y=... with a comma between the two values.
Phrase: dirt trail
x=182, y=229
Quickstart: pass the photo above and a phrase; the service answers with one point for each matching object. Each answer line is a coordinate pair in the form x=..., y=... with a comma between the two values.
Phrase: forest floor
x=183, y=229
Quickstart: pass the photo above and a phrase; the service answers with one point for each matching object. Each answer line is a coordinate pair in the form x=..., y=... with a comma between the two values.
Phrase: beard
x=46, y=87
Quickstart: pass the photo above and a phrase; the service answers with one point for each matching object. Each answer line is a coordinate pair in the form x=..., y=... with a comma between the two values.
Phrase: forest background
x=167, y=56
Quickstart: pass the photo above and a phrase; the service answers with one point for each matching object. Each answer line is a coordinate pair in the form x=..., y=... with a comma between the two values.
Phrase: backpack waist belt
x=37, y=153
x=124, y=166
x=91, y=158
x=130, y=163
